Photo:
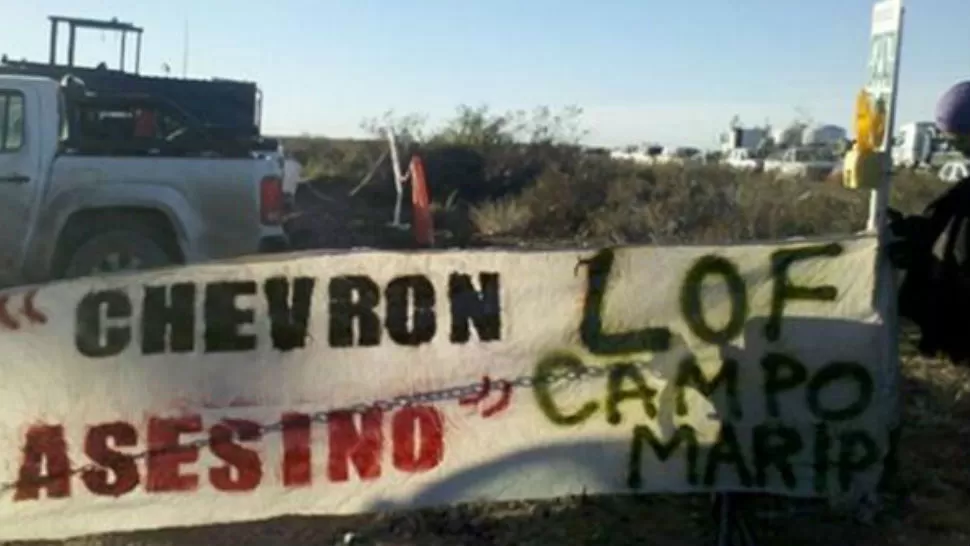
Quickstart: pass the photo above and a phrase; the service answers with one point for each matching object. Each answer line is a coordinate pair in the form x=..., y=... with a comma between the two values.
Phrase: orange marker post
x=422, y=222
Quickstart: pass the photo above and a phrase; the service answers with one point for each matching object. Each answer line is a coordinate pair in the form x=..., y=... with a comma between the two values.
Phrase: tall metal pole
x=71, y=35
x=53, y=51
x=398, y=175
x=138, y=53
x=121, y=62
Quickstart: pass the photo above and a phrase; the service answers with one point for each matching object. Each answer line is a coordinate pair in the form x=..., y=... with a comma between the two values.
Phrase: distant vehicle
x=954, y=171
x=597, y=151
x=680, y=155
x=637, y=154
x=93, y=183
x=789, y=136
x=815, y=163
x=739, y=137
x=914, y=144
x=824, y=135
x=743, y=159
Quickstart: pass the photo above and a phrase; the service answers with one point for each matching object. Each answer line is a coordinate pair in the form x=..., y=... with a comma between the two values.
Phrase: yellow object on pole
x=862, y=169
x=863, y=122
x=878, y=129
x=863, y=164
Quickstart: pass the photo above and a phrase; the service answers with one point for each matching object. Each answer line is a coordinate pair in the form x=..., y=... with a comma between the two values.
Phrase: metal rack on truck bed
x=230, y=106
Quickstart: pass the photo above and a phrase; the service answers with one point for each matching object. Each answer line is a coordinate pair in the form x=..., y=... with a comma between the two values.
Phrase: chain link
x=420, y=398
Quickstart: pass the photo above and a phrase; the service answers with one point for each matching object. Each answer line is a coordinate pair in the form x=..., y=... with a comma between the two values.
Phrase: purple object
x=953, y=110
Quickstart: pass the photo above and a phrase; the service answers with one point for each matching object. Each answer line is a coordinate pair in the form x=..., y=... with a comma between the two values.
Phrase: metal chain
x=421, y=398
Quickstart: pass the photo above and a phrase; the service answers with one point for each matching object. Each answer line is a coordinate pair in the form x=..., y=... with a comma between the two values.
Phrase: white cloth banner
x=206, y=394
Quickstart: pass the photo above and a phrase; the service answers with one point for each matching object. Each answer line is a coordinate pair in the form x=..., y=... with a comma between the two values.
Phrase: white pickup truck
x=91, y=185
x=814, y=163
x=743, y=159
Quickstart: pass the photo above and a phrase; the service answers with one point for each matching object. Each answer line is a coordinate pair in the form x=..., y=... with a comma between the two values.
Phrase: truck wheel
x=116, y=251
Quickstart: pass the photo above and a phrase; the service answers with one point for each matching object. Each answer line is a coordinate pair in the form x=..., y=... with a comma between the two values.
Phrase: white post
x=887, y=39
x=887, y=25
x=398, y=175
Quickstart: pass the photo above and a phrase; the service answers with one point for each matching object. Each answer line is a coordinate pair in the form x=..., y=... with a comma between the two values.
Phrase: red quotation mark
x=9, y=320
x=505, y=396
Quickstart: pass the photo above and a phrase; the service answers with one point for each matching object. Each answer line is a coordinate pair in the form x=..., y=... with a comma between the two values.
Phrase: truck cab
x=743, y=159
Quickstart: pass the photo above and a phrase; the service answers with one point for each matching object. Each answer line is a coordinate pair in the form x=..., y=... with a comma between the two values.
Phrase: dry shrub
x=334, y=158
x=560, y=201
x=609, y=201
x=506, y=216
x=913, y=190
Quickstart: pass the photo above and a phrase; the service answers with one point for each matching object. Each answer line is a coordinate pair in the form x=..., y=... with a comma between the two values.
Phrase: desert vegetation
x=523, y=178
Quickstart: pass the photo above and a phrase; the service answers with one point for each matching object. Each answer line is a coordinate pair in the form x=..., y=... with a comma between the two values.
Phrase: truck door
x=20, y=174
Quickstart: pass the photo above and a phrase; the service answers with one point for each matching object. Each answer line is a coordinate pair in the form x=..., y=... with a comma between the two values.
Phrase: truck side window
x=11, y=121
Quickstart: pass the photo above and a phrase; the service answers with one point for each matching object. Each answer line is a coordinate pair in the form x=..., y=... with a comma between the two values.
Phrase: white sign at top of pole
x=882, y=83
x=887, y=21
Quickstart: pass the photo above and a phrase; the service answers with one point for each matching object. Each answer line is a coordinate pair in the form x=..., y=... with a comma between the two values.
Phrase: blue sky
x=643, y=70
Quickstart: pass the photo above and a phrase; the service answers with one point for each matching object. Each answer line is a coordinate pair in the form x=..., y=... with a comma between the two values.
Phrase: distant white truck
x=914, y=144
x=824, y=135
x=91, y=184
x=748, y=138
x=680, y=155
x=743, y=159
x=815, y=163
x=646, y=155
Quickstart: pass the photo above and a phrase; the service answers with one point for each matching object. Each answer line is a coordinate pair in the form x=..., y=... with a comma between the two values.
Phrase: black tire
x=116, y=250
